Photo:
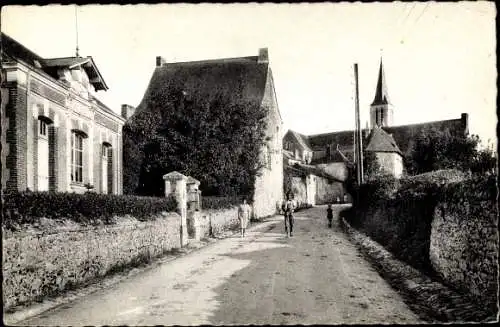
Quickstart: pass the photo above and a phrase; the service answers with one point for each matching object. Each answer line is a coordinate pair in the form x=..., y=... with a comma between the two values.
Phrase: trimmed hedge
x=88, y=208
x=220, y=202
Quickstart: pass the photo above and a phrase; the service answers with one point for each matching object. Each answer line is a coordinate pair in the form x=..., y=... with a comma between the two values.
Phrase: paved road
x=315, y=277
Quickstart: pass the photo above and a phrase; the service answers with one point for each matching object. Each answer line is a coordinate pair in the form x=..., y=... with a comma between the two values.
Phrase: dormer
x=81, y=74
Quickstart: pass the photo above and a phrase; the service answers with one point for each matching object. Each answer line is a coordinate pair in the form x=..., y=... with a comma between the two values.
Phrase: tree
x=216, y=141
x=435, y=149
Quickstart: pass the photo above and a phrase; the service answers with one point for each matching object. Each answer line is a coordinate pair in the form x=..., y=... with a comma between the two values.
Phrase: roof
x=403, y=135
x=102, y=105
x=301, y=139
x=315, y=171
x=18, y=51
x=381, y=141
x=381, y=94
x=15, y=49
x=235, y=78
x=334, y=138
x=87, y=63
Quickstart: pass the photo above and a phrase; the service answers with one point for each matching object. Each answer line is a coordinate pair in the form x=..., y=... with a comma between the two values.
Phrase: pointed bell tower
x=381, y=109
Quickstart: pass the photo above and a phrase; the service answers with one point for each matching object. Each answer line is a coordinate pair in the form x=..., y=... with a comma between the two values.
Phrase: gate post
x=175, y=183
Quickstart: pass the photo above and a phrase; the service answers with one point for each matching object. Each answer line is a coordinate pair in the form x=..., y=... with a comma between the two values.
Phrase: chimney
x=127, y=111
x=159, y=61
x=263, y=56
x=465, y=122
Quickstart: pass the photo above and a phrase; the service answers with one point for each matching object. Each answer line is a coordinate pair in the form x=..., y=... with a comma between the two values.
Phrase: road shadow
x=261, y=294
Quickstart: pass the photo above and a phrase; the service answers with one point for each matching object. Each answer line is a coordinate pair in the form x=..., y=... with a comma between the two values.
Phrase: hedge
x=88, y=208
x=220, y=202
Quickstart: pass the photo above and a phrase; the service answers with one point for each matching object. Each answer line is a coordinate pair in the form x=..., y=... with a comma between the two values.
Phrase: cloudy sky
x=439, y=58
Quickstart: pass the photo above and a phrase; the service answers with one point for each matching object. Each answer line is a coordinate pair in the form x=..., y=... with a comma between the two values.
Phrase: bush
x=428, y=183
x=380, y=188
x=87, y=208
x=220, y=202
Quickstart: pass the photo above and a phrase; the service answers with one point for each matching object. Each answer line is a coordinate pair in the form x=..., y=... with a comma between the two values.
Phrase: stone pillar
x=175, y=183
x=194, y=206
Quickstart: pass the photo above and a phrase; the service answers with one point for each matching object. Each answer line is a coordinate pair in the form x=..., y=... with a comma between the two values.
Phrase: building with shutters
x=56, y=135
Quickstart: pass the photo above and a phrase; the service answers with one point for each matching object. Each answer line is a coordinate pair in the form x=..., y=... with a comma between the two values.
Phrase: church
x=334, y=151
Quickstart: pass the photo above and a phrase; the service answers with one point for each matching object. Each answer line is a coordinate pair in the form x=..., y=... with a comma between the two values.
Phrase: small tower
x=381, y=110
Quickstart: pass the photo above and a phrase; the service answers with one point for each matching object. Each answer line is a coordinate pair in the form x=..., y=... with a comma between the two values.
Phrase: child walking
x=329, y=215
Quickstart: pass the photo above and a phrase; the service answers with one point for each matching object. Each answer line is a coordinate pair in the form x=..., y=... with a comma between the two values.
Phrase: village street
x=315, y=277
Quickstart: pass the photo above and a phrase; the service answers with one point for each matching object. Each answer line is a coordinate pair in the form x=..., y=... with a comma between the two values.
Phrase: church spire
x=381, y=111
x=381, y=94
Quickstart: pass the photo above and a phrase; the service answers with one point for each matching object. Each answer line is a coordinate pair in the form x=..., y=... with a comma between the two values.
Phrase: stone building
x=56, y=135
x=386, y=152
x=247, y=79
x=334, y=151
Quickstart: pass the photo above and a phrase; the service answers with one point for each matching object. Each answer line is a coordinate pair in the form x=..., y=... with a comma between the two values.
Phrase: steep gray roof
x=380, y=141
x=381, y=94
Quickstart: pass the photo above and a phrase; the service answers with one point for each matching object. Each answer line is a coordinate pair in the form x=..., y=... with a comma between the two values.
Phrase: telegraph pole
x=358, y=141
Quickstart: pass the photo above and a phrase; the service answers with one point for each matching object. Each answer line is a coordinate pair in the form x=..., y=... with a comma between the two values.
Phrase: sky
x=439, y=58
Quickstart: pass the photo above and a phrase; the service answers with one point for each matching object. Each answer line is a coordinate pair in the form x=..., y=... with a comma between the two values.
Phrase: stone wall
x=448, y=231
x=324, y=191
x=219, y=220
x=50, y=257
x=391, y=163
x=328, y=192
x=299, y=189
x=269, y=185
x=464, y=246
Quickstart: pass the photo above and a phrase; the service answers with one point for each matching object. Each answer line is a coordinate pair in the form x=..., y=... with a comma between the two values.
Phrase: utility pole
x=358, y=141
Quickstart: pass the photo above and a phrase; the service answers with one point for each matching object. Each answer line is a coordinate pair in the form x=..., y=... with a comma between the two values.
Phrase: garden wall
x=464, y=240
x=47, y=257
x=444, y=225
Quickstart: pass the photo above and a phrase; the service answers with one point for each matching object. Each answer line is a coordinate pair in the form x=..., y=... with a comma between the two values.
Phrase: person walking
x=288, y=208
x=244, y=216
x=329, y=215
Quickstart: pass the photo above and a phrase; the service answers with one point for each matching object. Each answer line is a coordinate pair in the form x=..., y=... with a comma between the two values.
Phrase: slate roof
x=18, y=51
x=316, y=171
x=236, y=78
x=325, y=139
x=381, y=141
x=381, y=94
x=403, y=136
x=102, y=105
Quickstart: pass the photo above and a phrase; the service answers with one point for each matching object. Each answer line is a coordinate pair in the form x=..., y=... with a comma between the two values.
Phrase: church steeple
x=381, y=108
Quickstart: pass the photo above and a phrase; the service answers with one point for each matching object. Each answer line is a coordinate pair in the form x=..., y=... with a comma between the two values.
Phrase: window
x=381, y=116
x=106, y=169
x=43, y=163
x=42, y=128
x=77, y=158
x=104, y=151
